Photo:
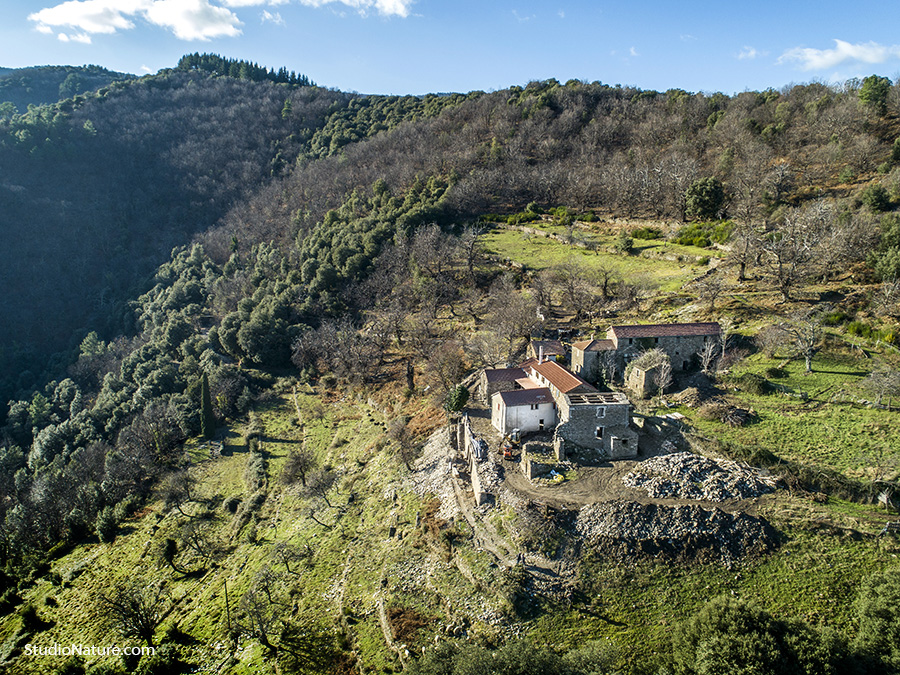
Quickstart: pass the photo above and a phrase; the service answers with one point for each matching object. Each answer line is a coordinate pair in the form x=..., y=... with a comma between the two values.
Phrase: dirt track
x=601, y=483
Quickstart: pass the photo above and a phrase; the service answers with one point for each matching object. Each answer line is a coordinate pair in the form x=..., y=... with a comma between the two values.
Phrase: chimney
x=541, y=354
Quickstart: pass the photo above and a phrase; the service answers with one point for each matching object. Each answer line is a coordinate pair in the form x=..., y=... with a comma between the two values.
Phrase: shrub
x=646, y=233
x=729, y=635
x=624, y=242
x=30, y=619
x=166, y=661
x=859, y=328
x=878, y=610
x=705, y=198
x=752, y=384
x=875, y=198
x=775, y=373
x=74, y=665
x=846, y=175
x=704, y=234
x=835, y=318
x=125, y=508
x=106, y=525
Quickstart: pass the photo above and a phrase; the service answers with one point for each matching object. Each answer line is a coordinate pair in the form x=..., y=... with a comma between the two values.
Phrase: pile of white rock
x=684, y=475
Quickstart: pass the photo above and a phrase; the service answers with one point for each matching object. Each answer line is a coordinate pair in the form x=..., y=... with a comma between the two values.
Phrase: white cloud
x=83, y=38
x=633, y=51
x=89, y=16
x=272, y=17
x=194, y=19
x=561, y=14
x=187, y=19
x=386, y=7
x=748, y=53
x=820, y=59
x=77, y=20
x=146, y=69
x=687, y=37
x=252, y=3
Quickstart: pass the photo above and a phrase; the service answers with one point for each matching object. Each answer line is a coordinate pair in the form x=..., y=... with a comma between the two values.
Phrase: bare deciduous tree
x=176, y=490
x=399, y=433
x=791, y=254
x=709, y=288
x=609, y=364
x=883, y=381
x=512, y=315
x=887, y=298
x=662, y=378
x=709, y=354
x=805, y=333
x=136, y=608
x=320, y=482
x=298, y=464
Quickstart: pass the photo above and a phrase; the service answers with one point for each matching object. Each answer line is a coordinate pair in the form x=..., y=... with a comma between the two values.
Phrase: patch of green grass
x=813, y=577
x=539, y=253
x=828, y=428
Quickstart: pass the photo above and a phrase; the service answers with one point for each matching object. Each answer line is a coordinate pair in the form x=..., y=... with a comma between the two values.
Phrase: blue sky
x=420, y=46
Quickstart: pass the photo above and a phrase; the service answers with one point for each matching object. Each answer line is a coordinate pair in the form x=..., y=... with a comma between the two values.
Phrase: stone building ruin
x=587, y=423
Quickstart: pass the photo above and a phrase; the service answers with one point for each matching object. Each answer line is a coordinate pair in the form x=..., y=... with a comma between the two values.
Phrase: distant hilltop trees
x=244, y=70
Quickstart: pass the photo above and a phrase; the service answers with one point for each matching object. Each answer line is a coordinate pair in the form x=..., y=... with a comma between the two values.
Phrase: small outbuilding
x=586, y=356
x=524, y=409
x=546, y=349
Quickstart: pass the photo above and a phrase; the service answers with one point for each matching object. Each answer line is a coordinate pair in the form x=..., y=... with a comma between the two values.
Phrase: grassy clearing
x=539, y=253
x=838, y=433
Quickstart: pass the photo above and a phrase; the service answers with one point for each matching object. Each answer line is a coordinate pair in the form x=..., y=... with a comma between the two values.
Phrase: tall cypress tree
x=207, y=418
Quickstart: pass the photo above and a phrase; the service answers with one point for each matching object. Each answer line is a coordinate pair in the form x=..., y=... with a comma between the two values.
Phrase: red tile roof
x=666, y=330
x=594, y=345
x=561, y=378
x=525, y=396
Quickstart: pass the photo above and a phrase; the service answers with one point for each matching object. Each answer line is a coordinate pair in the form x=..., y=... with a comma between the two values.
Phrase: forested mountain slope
x=95, y=192
x=42, y=85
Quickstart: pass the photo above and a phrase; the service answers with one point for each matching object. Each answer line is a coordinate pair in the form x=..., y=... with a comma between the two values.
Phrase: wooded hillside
x=182, y=249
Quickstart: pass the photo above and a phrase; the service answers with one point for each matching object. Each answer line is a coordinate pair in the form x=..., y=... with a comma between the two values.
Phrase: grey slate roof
x=525, y=397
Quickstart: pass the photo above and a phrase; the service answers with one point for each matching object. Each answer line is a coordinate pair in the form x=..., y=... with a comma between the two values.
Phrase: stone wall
x=531, y=462
x=586, y=364
x=474, y=450
x=615, y=439
x=641, y=382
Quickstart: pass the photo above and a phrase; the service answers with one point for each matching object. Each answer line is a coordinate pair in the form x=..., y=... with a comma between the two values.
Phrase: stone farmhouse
x=585, y=421
x=681, y=341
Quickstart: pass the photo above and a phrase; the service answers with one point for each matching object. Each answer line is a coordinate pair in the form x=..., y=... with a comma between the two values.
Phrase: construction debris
x=684, y=475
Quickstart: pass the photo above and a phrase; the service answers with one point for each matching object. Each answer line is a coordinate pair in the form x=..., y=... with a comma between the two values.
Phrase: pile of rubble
x=684, y=475
x=625, y=530
x=689, y=397
x=433, y=472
